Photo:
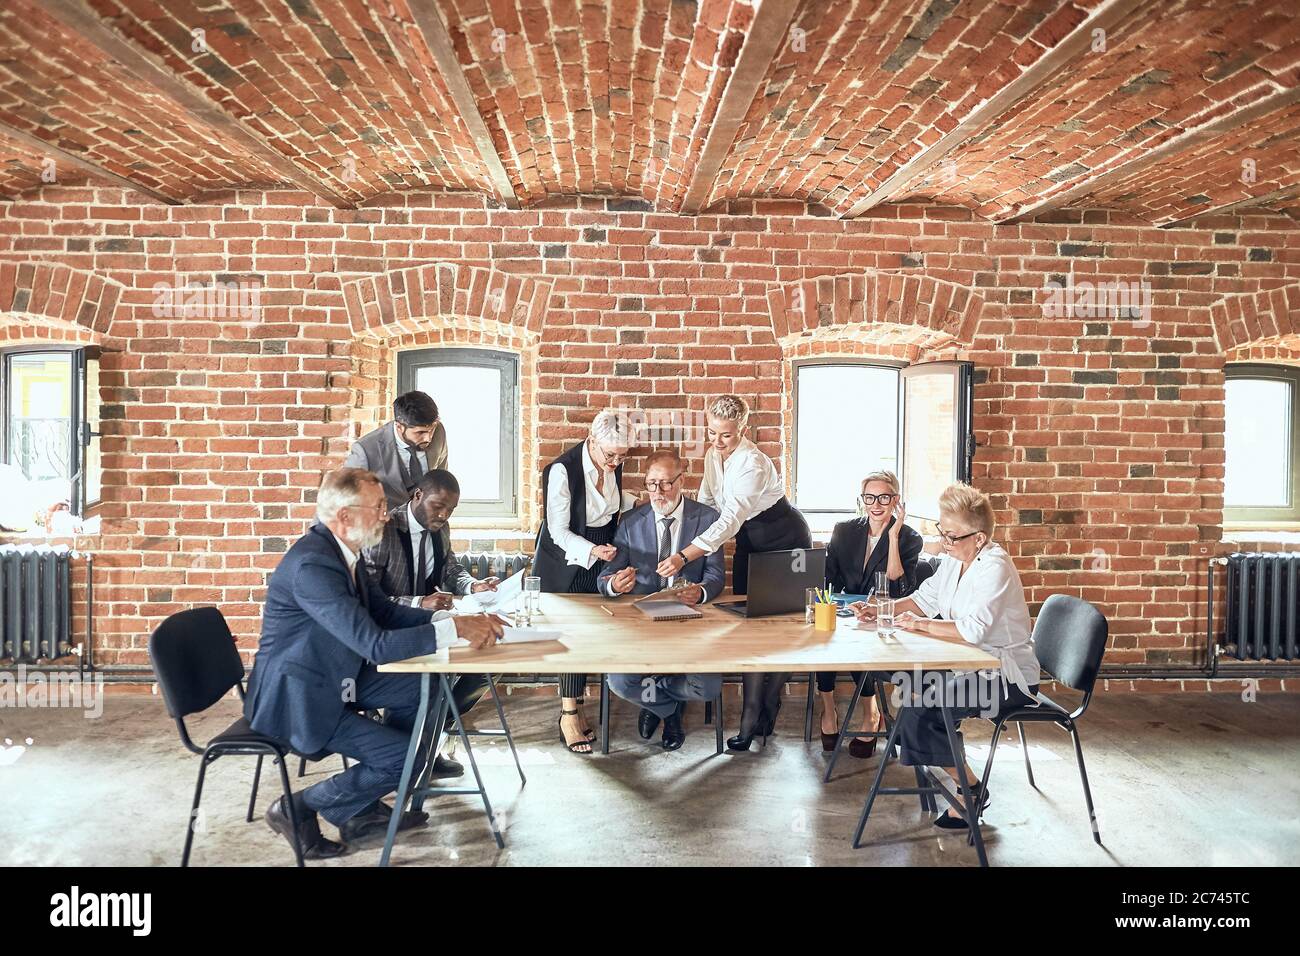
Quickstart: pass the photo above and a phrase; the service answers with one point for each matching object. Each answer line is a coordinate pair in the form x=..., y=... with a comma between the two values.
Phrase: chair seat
x=1047, y=710
x=241, y=733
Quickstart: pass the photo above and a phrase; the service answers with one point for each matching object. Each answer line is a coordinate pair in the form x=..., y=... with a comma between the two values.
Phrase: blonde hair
x=970, y=505
x=888, y=477
x=732, y=408
x=611, y=428
x=341, y=488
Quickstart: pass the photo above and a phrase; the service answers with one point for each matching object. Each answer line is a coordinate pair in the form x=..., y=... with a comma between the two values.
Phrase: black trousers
x=922, y=738
x=574, y=685
x=779, y=528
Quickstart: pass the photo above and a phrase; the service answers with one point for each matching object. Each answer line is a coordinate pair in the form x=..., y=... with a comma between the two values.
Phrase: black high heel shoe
x=742, y=740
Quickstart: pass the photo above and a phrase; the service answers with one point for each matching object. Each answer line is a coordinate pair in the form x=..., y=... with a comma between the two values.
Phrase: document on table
x=506, y=591
x=518, y=635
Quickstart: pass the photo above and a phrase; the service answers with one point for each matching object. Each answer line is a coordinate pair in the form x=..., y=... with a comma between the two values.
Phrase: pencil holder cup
x=824, y=617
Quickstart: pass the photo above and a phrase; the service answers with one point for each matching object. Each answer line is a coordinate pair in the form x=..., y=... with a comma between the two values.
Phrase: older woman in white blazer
x=976, y=598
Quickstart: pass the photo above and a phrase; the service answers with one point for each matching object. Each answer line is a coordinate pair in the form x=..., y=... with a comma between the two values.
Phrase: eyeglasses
x=954, y=538
x=382, y=506
x=609, y=457
x=664, y=484
x=870, y=500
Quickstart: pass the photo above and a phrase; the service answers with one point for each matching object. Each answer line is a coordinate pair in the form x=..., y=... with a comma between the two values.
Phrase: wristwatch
x=682, y=555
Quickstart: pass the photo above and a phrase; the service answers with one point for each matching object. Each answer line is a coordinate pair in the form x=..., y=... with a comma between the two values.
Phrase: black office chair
x=712, y=714
x=924, y=569
x=1069, y=641
x=196, y=663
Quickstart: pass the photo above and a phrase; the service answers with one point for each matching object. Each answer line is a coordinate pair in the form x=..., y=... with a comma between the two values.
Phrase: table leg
x=440, y=702
x=404, y=787
x=844, y=727
x=469, y=752
x=959, y=756
x=875, y=785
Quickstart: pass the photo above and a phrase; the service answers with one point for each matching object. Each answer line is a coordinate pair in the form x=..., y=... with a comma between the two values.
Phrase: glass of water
x=532, y=596
x=885, y=616
x=882, y=584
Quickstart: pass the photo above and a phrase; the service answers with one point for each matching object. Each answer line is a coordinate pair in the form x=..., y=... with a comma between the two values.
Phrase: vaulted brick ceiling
x=1011, y=109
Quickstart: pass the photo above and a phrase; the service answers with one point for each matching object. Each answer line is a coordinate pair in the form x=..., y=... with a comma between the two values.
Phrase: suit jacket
x=391, y=563
x=848, y=550
x=377, y=451
x=318, y=632
x=637, y=541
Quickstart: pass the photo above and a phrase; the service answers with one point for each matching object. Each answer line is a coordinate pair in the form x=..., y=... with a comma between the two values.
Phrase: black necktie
x=421, y=569
x=415, y=471
x=665, y=547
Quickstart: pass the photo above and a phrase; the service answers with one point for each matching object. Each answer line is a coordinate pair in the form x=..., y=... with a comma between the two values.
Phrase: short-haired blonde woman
x=582, y=497
x=978, y=594
x=744, y=486
x=876, y=542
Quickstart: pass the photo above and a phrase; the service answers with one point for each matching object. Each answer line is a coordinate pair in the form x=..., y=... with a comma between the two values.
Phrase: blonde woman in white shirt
x=975, y=598
x=744, y=486
x=582, y=498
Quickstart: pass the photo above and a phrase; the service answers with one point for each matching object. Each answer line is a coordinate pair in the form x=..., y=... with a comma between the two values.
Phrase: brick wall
x=1100, y=439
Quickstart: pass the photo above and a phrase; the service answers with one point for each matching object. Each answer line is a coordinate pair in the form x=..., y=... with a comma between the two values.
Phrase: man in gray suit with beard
x=413, y=564
x=402, y=450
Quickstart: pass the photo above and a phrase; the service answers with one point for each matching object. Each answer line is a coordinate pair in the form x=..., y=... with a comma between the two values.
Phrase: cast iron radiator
x=35, y=604
x=1263, y=604
x=486, y=564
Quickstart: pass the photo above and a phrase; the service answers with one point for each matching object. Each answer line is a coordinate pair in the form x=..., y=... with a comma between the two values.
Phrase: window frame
x=795, y=366
x=79, y=428
x=1251, y=514
x=411, y=361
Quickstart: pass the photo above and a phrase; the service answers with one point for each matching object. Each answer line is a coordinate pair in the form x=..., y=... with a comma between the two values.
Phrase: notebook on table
x=665, y=606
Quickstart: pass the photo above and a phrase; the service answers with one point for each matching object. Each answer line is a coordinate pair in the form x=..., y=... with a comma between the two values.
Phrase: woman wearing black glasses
x=876, y=542
x=976, y=598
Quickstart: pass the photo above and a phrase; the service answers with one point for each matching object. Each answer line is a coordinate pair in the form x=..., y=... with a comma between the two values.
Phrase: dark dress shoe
x=674, y=735
x=314, y=845
x=647, y=723
x=980, y=798
x=444, y=767
x=376, y=819
x=863, y=749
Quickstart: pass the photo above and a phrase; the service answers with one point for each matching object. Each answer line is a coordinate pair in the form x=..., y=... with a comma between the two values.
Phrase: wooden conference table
x=603, y=635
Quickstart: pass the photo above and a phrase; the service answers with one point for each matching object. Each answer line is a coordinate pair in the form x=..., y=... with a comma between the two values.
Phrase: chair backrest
x=924, y=570
x=1069, y=640
x=195, y=660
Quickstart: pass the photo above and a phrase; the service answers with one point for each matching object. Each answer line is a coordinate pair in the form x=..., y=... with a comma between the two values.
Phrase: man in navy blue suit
x=325, y=626
x=645, y=537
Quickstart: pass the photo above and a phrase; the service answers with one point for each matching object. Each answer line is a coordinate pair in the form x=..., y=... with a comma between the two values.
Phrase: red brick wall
x=1100, y=440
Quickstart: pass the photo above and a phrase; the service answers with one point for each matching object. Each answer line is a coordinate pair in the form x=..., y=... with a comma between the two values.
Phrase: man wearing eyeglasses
x=645, y=538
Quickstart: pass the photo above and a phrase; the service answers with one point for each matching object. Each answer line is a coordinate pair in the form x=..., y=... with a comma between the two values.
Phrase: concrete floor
x=1187, y=780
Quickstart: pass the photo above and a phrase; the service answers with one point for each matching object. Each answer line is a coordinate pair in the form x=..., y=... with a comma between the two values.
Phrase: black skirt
x=780, y=528
x=584, y=582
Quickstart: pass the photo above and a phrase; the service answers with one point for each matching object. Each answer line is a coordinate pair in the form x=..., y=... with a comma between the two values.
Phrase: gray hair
x=611, y=428
x=341, y=488
x=729, y=407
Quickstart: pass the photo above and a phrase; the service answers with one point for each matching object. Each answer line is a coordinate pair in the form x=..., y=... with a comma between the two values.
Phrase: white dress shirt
x=987, y=604
x=601, y=508
x=415, y=530
x=444, y=626
x=350, y=557
x=745, y=485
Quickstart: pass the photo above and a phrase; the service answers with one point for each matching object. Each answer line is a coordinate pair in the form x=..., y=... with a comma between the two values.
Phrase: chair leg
x=1087, y=793
x=988, y=764
x=194, y=811
x=808, y=708
x=302, y=767
x=1024, y=748
x=717, y=722
x=252, y=797
x=604, y=714
x=708, y=712
x=290, y=809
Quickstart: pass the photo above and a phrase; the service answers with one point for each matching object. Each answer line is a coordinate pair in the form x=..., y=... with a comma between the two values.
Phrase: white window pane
x=930, y=442
x=847, y=418
x=469, y=405
x=40, y=415
x=1257, y=443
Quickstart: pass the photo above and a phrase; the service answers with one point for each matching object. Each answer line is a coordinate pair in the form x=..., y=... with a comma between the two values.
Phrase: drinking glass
x=532, y=596
x=882, y=584
x=885, y=616
x=809, y=599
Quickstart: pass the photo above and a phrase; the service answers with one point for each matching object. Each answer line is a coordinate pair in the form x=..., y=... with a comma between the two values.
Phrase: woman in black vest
x=743, y=484
x=582, y=496
x=878, y=541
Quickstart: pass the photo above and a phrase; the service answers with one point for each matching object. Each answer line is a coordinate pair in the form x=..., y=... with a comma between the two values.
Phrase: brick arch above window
x=443, y=295
x=890, y=307
x=49, y=301
x=1246, y=318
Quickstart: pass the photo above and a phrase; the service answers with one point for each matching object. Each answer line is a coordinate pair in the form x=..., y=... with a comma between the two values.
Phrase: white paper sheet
x=518, y=635
x=506, y=591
